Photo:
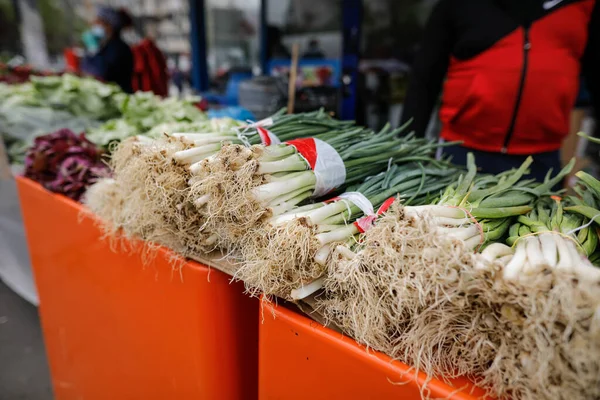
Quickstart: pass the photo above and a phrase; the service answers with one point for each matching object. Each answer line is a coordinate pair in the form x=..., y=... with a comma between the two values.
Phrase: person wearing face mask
x=109, y=58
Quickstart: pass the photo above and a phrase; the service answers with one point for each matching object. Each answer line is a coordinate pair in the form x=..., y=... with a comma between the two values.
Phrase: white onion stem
x=495, y=251
x=534, y=252
x=322, y=255
x=306, y=290
x=269, y=191
x=460, y=233
x=345, y=252
x=549, y=250
x=337, y=235
x=288, y=164
x=513, y=268
x=565, y=262
x=438, y=211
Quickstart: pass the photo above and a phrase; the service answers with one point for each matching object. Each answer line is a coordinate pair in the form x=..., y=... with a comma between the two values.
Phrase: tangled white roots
x=221, y=190
x=278, y=259
x=148, y=197
x=416, y=296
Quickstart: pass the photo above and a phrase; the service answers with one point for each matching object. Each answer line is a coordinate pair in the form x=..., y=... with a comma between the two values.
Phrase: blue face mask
x=98, y=31
x=90, y=41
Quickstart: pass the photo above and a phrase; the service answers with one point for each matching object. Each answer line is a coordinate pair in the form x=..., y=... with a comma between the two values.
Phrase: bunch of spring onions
x=363, y=155
x=479, y=209
x=300, y=241
x=283, y=126
x=550, y=237
x=412, y=184
x=240, y=188
x=587, y=204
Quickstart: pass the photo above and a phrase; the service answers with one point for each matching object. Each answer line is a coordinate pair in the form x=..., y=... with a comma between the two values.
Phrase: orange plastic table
x=115, y=329
x=300, y=358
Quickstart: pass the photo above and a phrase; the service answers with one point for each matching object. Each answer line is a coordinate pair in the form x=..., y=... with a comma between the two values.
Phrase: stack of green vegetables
x=47, y=104
x=144, y=113
x=103, y=111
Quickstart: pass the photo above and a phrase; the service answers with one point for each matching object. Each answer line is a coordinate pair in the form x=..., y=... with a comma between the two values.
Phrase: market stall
x=475, y=284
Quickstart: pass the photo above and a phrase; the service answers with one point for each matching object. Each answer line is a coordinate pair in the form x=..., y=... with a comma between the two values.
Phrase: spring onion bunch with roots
x=420, y=297
x=587, y=204
x=273, y=130
x=240, y=188
x=288, y=256
x=479, y=209
x=147, y=197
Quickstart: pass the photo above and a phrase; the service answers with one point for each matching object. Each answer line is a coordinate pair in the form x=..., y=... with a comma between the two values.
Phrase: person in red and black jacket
x=511, y=70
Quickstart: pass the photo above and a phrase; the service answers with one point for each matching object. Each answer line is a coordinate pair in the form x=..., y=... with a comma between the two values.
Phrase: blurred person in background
x=275, y=46
x=109, y=58
x=510, y=72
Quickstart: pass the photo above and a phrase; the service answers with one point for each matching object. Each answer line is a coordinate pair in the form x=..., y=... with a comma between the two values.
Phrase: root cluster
x=225, y=182
x=278, y=259
x=148, y=197
x=415, y=295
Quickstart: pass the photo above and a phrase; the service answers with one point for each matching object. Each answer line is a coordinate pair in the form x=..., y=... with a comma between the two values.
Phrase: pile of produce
x=142, y=112
x=46, y=104
x=65, y=163
x=521, y=323
x=492, y=277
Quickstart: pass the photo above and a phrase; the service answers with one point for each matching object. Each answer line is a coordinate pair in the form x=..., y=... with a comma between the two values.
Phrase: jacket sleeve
x=591, y=59
x=429, y=69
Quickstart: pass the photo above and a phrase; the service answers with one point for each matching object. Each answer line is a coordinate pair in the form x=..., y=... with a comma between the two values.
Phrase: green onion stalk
x=587, y=204
x=479, y=209
x=283, y=126
x=298, y=244
x=239, y=188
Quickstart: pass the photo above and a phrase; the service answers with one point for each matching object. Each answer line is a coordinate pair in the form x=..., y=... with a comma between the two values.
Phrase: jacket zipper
x=513, y=120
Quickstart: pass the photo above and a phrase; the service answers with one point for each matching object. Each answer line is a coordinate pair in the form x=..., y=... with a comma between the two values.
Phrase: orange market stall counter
x=115, y=328
x=300, y=358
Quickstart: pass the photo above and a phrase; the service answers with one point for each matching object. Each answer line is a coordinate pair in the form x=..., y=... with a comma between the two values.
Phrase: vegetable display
x=456, y=273
x=141, y=112
x=103, y=111
x=65, y=163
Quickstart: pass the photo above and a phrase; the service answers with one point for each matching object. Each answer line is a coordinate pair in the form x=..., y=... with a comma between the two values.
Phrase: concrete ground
x=24, y=371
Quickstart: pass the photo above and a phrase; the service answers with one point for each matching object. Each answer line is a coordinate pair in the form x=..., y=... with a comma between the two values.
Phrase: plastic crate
x=116, y=329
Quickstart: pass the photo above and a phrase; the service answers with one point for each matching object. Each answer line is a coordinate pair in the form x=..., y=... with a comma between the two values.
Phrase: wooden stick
x=292, y=82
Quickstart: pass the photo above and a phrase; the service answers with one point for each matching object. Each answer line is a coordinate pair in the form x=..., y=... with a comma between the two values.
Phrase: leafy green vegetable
x=143, y=112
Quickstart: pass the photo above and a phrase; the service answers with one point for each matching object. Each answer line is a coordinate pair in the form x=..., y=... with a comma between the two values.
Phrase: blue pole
x=351, y=24
x=198, y=40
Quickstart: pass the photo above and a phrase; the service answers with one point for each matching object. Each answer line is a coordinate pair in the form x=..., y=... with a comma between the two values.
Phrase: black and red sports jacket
x=512, y=71
x=149, y=69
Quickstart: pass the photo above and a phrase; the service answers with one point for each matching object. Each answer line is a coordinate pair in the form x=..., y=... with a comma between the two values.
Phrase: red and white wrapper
x=267, y=137
x=365, y=223
x=360, y=201
x=262, y=122
x=324, y=160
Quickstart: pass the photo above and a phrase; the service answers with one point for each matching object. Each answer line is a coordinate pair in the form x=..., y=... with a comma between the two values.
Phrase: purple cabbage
x=64, y=162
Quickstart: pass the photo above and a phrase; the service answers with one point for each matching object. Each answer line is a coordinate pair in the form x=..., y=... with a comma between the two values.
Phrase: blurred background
x=354, y=56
